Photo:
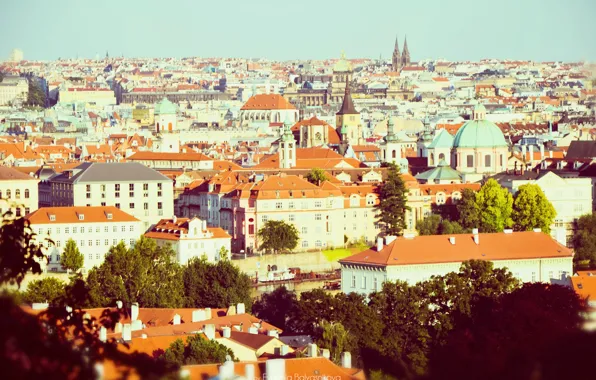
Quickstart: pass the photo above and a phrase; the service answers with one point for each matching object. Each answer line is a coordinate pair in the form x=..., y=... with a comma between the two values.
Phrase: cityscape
x=410, y=200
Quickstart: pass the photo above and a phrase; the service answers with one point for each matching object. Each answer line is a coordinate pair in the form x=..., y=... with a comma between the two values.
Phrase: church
x=399, y=61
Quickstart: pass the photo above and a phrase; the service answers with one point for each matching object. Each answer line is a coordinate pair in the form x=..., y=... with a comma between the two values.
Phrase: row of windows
x=18, y=211
x=17, y=194
x=363, y=280
x=318, y=244
x=131, y=187
x=82, y=230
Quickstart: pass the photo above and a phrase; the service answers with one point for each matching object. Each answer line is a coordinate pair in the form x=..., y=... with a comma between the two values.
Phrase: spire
x=390, y=130
x=287, y=134
x=406, y=51
x=347, y=106
x=396, y=48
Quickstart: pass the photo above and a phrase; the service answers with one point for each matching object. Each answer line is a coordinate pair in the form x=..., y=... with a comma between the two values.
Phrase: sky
x=456, y=30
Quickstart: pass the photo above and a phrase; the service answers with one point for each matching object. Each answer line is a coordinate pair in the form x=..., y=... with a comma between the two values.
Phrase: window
x=251, y=229
x=17, y=194
x=74, y=230
x=106, y=229
x=318, y=217
x=533, y=276
x=90, y=229
x=131, y=187
x=145, y=206
x=97, y=229
x=131, y=242
x=291, y=205
x=131, y=205
x=106, y=242
x=115, y=229
x=353, y=281
x=27, y=209
x=88, y=187
x=318, y=244
x=131, y=228
x=82, y=243
x=123, y=228
x=354, y=201
x=58, y=258
x=291, y=217
x=304, y=243
x=370, y=200
x=88, y=195
x=501, y=161
x=363, y=282
x=131, y=194
x=318, y=204
x=97, y=255
x=91, y=256
x=67, y=230
x=550, y=275
x=440, y=198
x=304, y=230
x=375, y=284
x=278, y=205
x=114, y=241
x=103, y=204
x=8, y=195
x=90, y=243
x=264, y=218
x=117, y=205
x=145, y=186
x=470, y=161
x=487, y=161
x=26, y=193
x=58, y=230
x=58, y=243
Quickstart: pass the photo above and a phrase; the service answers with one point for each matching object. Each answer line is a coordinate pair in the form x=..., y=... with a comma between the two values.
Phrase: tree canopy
x=197, y=350
x=584, y=239
x=495, y=205
x=72, y=259
x=468, y=213
x=392, y=205
x=278, y=236
x=435, y=225
x=48, y=289
x=36, y=95
x=316, y=176
x=215, y=285
x=532, y=210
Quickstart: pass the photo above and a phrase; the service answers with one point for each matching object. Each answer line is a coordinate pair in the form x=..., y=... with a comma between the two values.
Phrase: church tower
x=347, y=120
x=287, y=147
x=405, y=55
x=396, y=58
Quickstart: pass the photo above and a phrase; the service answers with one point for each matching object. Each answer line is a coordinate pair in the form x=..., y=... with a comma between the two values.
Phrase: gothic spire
x=396, y=48
x=406, y=51
x=347, y=106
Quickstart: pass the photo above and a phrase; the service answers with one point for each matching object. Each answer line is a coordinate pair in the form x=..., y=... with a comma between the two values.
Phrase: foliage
x=276, y=307
x=468, y=213
x=48, y=289
x=584, y=239
x=333, y=255
x=335, y=338
x=392, y=205
x=145, y=273
x=532, y=210
x=317, y=176
x=509, y=337
x=215, y=285
x=434, y=225
x=197, y=350
x=495, y=206
x=21, y=253
x=72, y=259
x=36, y=95
x=277, y=235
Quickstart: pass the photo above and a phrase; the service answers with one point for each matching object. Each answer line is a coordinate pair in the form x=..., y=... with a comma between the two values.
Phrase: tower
x=287, y=147
x=391, y=146
x=405, y=55
x=396, y=57
x=347, y=119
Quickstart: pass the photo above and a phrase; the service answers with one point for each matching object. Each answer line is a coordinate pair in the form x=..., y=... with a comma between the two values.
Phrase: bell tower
x=287, y=147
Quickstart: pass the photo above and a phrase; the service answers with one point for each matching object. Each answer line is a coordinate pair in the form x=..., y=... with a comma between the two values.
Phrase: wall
x=306, y=261
x=26, y=205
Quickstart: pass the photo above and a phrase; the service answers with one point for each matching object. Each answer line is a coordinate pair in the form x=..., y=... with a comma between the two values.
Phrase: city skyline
x=459, y=31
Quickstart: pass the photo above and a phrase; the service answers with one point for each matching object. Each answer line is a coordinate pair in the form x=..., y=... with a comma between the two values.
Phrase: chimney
x=231, y=310
x=273, y=333
x=477, y=239
x=207, y=313
x=550, y=153
x=174, y=219
x=537, y=229
x=253, y=330
x=390, y=239
x=311, y=350
x=452, y=240
x=379, y=244
x=134, y=311
x=523, y=149
x=249, y=371
x=209, y=331
x=176, y=319
x=143, y=336
x=198, y=316
x=275, y=369
x=541, y=152
x=475, y=231
x=346, y=360
x=126, y=332
x=119, y=304
x=103, y=334
x=508, y=231
x=326, y=353
x=226, y=332
x=137, y=325
x=39, y=306
x=118, y=328
x=240, y=309
x=284, y=350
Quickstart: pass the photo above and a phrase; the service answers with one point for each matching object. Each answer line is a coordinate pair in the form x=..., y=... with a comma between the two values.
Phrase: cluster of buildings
x=201, y=153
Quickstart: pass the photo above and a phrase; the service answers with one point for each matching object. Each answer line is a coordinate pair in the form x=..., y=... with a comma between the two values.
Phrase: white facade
x=20, y=196
x=13, y=89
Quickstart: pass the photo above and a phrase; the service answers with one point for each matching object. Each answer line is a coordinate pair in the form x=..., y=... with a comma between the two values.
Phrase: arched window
x=290, y=153
x=487, y=161
x=440, y=198
x=393, y=153
x=8, y=194
x=17, y=194
x=441, y=156
x=432, y=159
x=170, y=127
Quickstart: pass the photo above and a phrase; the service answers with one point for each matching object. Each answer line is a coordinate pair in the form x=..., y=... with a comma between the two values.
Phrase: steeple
x=347, y=106
x=390, y=130
x=405, y=55
x=396, y=57
x=287, y=146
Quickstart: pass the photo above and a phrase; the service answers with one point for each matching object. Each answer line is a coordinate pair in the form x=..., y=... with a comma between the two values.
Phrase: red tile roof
x=268, y=102
x=98, y=214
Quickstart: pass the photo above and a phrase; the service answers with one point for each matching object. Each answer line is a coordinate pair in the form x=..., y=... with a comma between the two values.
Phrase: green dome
x=165, y=107
x=479, y=134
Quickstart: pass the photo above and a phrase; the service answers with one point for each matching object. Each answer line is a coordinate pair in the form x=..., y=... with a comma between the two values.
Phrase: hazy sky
x=304, y=29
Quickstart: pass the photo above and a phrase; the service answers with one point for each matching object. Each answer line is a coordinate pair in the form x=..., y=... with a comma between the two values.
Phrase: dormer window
x=52, y=218
x=81, y=216
x=109, y=215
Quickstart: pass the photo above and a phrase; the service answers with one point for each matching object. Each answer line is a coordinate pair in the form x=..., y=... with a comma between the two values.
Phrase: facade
x=173, y=161
x=529, y=256
x=13, y=90
x=18, y=192
x=191, y=238
x=100, y=97
x=134, y=188
x=165, y=116
x=94, y=229
x=314, y=132
x=272, y=108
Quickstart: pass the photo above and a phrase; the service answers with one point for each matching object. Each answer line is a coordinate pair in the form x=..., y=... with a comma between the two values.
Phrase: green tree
x=215, y=285
x=468, y=213
x=495, y=205
x=450, y=228
x=197, y=350
x=145, y=273
x=72, y=259
x=317, y=176
x=277, y=235
x=429, y=225
x=392, y=205
x=532, y=210
x=584, y=239
x=36, y=95
x=335, y=338
x=276, y=307
x=48, y=289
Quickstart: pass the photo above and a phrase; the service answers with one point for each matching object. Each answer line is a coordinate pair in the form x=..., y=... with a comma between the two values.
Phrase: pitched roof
x=347, y=105
x=267, y=102
x=581, y=149
x=166, y=156
x=71, y=214
x=111, y=172
x=584, y=285
x=168, y=229
x=438, y=249
x=254, y=341
x=10, y=174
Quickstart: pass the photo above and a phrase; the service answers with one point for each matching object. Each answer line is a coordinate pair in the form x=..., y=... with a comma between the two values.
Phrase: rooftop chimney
x=253, y=330
x=311, y=350
x=379, y=244
x=326, y=353
x=346, y=360
x=508, y=231
x=240, y=309
x=452, y=240
x=226, y=371
x=275, y=369
x=119, y=304
x=103, y=334
x=198, y=316
x=126, y=332
x=284, y=350
x=226, y=332
x=537, y=229
x=176, y=319
x=475, y=231
x=207, y=313
x=231, y=310
x=118, y=328
x=209, y=331
x=477, y=239
x=137, y=325
x=390, y=239
x=273, y=333
x=134, y=311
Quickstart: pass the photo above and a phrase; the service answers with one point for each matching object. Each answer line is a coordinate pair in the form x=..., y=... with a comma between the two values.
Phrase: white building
x=94, y=230
x=13, y=89
x=191, y=238
x=132, y=187
x=18, y=192
x=530, y=256
x=271, y=108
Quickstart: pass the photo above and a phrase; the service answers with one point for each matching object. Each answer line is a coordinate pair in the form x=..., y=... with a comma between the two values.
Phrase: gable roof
x=10, y=174
x=111, y=172
x=267, y=102
x=71, y=214
x=581, y=150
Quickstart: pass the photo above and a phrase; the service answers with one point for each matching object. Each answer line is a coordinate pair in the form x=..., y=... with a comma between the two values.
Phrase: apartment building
x=13, y=89
x=18, y=192
x=132, y=187
x=94, y=230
